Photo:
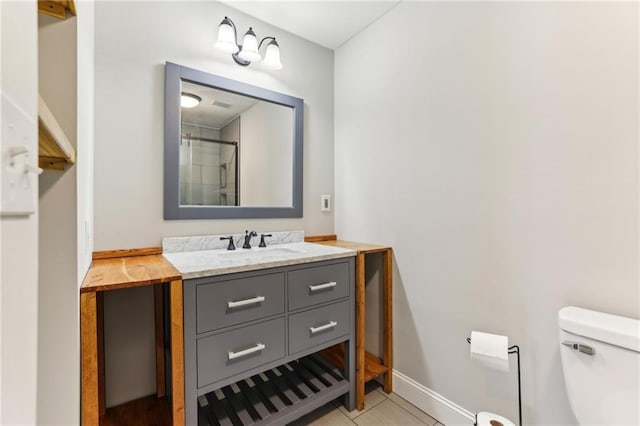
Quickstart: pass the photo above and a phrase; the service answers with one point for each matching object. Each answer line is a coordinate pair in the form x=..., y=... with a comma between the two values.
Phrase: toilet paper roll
x=491, y=350
x=486, y=418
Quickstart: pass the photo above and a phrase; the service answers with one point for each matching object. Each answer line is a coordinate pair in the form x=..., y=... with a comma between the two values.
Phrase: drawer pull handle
x=257, y=348
x=320, y=328
x=318, y=287
x=245, y=302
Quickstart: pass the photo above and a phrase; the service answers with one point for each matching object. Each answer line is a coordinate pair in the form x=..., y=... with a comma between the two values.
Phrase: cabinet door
x=318, y=284
x=317, y=326
x=226, y=354
x=235, y=301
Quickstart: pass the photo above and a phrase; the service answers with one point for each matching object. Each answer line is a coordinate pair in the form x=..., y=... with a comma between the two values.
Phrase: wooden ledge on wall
x=110, y=254
x=318, y=238
x=57, y=8
x=55, y=152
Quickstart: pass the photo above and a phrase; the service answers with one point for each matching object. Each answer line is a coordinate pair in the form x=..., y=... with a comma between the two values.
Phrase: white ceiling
x=327, y=23
x=216, y=115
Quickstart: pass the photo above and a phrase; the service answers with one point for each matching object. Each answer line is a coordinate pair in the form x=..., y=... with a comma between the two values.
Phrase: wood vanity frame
x=118, y=269
x=368, y=366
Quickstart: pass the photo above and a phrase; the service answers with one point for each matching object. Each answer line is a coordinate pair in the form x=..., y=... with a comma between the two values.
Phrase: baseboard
x=436, y=405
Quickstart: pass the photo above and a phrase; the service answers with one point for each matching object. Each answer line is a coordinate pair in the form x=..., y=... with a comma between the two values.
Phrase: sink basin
x=218, y=261
x=259, y=253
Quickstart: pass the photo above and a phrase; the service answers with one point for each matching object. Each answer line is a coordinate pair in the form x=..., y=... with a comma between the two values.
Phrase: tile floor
x=380, y=410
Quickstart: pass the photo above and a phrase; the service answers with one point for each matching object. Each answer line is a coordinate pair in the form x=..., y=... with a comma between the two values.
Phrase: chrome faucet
x=247, y=239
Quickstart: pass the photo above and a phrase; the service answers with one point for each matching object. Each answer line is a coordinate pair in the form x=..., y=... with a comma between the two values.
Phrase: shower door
x=208, y=172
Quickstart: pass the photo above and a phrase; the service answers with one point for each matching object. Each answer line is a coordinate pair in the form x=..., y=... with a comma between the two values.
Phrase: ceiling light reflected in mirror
x=189, y=100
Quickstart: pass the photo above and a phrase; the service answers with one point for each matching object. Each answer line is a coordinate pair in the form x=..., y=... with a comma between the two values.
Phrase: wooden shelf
x=131, y=270
x=373, y=366
x=364, y=248
x=57, y=8
x=55, y=152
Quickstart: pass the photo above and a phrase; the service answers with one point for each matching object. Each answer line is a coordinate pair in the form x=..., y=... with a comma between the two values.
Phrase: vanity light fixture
x=249, y=50
x=189, y=100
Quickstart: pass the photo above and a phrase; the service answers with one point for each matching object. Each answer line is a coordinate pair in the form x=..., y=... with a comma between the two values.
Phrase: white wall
x=58, y=310
x=133, y=41
x=266, y=156
x=130, y=106
x=513, y=189
x=0, y=227
x=85, y=135
x=19, y=235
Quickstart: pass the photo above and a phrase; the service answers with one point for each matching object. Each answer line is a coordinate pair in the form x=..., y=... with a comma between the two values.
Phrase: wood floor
x=147, y=411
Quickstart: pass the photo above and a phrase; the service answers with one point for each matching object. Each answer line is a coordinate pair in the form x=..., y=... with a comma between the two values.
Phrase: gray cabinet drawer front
x=244, y=294
x=301, y=335
x=213, y=352
x=302, y=282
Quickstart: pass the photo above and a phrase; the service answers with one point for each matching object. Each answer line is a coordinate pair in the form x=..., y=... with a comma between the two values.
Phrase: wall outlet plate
x=325, y=203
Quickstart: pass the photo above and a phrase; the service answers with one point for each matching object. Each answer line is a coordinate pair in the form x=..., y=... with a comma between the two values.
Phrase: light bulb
x=226, y=37
x=249, y=50
x=272, y=56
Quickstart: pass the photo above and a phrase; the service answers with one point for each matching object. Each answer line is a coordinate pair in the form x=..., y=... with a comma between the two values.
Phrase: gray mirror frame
x=174, y=74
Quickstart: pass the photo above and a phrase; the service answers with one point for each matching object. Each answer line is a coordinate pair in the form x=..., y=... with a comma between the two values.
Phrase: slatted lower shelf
x=276, y=396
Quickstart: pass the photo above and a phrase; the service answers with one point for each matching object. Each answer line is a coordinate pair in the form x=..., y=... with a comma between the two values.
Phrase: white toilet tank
x=601, y=364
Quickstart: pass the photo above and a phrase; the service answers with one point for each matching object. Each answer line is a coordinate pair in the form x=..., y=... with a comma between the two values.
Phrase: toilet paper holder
x=515, y=349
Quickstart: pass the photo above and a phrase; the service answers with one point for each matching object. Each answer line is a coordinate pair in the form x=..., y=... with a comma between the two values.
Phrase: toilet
x=601, y=365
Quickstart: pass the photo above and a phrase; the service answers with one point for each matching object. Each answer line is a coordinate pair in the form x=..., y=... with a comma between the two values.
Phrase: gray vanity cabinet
x=238, y=300
x=316, y=326
x=316, y=284
x=251, y=340
x=226, y=354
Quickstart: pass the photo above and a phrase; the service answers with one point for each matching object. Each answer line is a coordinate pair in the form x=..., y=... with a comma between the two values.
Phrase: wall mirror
x=231, y=150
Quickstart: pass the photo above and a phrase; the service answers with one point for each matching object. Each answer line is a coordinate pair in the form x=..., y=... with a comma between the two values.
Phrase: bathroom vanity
x=237, y=332
x=254, y=321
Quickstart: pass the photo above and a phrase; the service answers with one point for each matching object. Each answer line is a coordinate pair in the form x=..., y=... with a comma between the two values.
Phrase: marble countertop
x=212, y=242
x=205, y=263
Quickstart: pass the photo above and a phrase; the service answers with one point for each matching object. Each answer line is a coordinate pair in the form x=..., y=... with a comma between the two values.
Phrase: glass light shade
x=226, y=37
x=249, y=50
x=272, y=57
x=188, y=100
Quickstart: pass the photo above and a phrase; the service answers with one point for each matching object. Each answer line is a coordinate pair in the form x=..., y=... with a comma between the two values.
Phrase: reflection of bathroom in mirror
x=209, y=137
x=231, y=150
x=235, y=150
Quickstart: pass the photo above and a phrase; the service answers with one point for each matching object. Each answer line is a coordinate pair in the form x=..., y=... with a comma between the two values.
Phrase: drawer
x=317, y=326
x=318, y=284
x=225, y=303
x=226, y=354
